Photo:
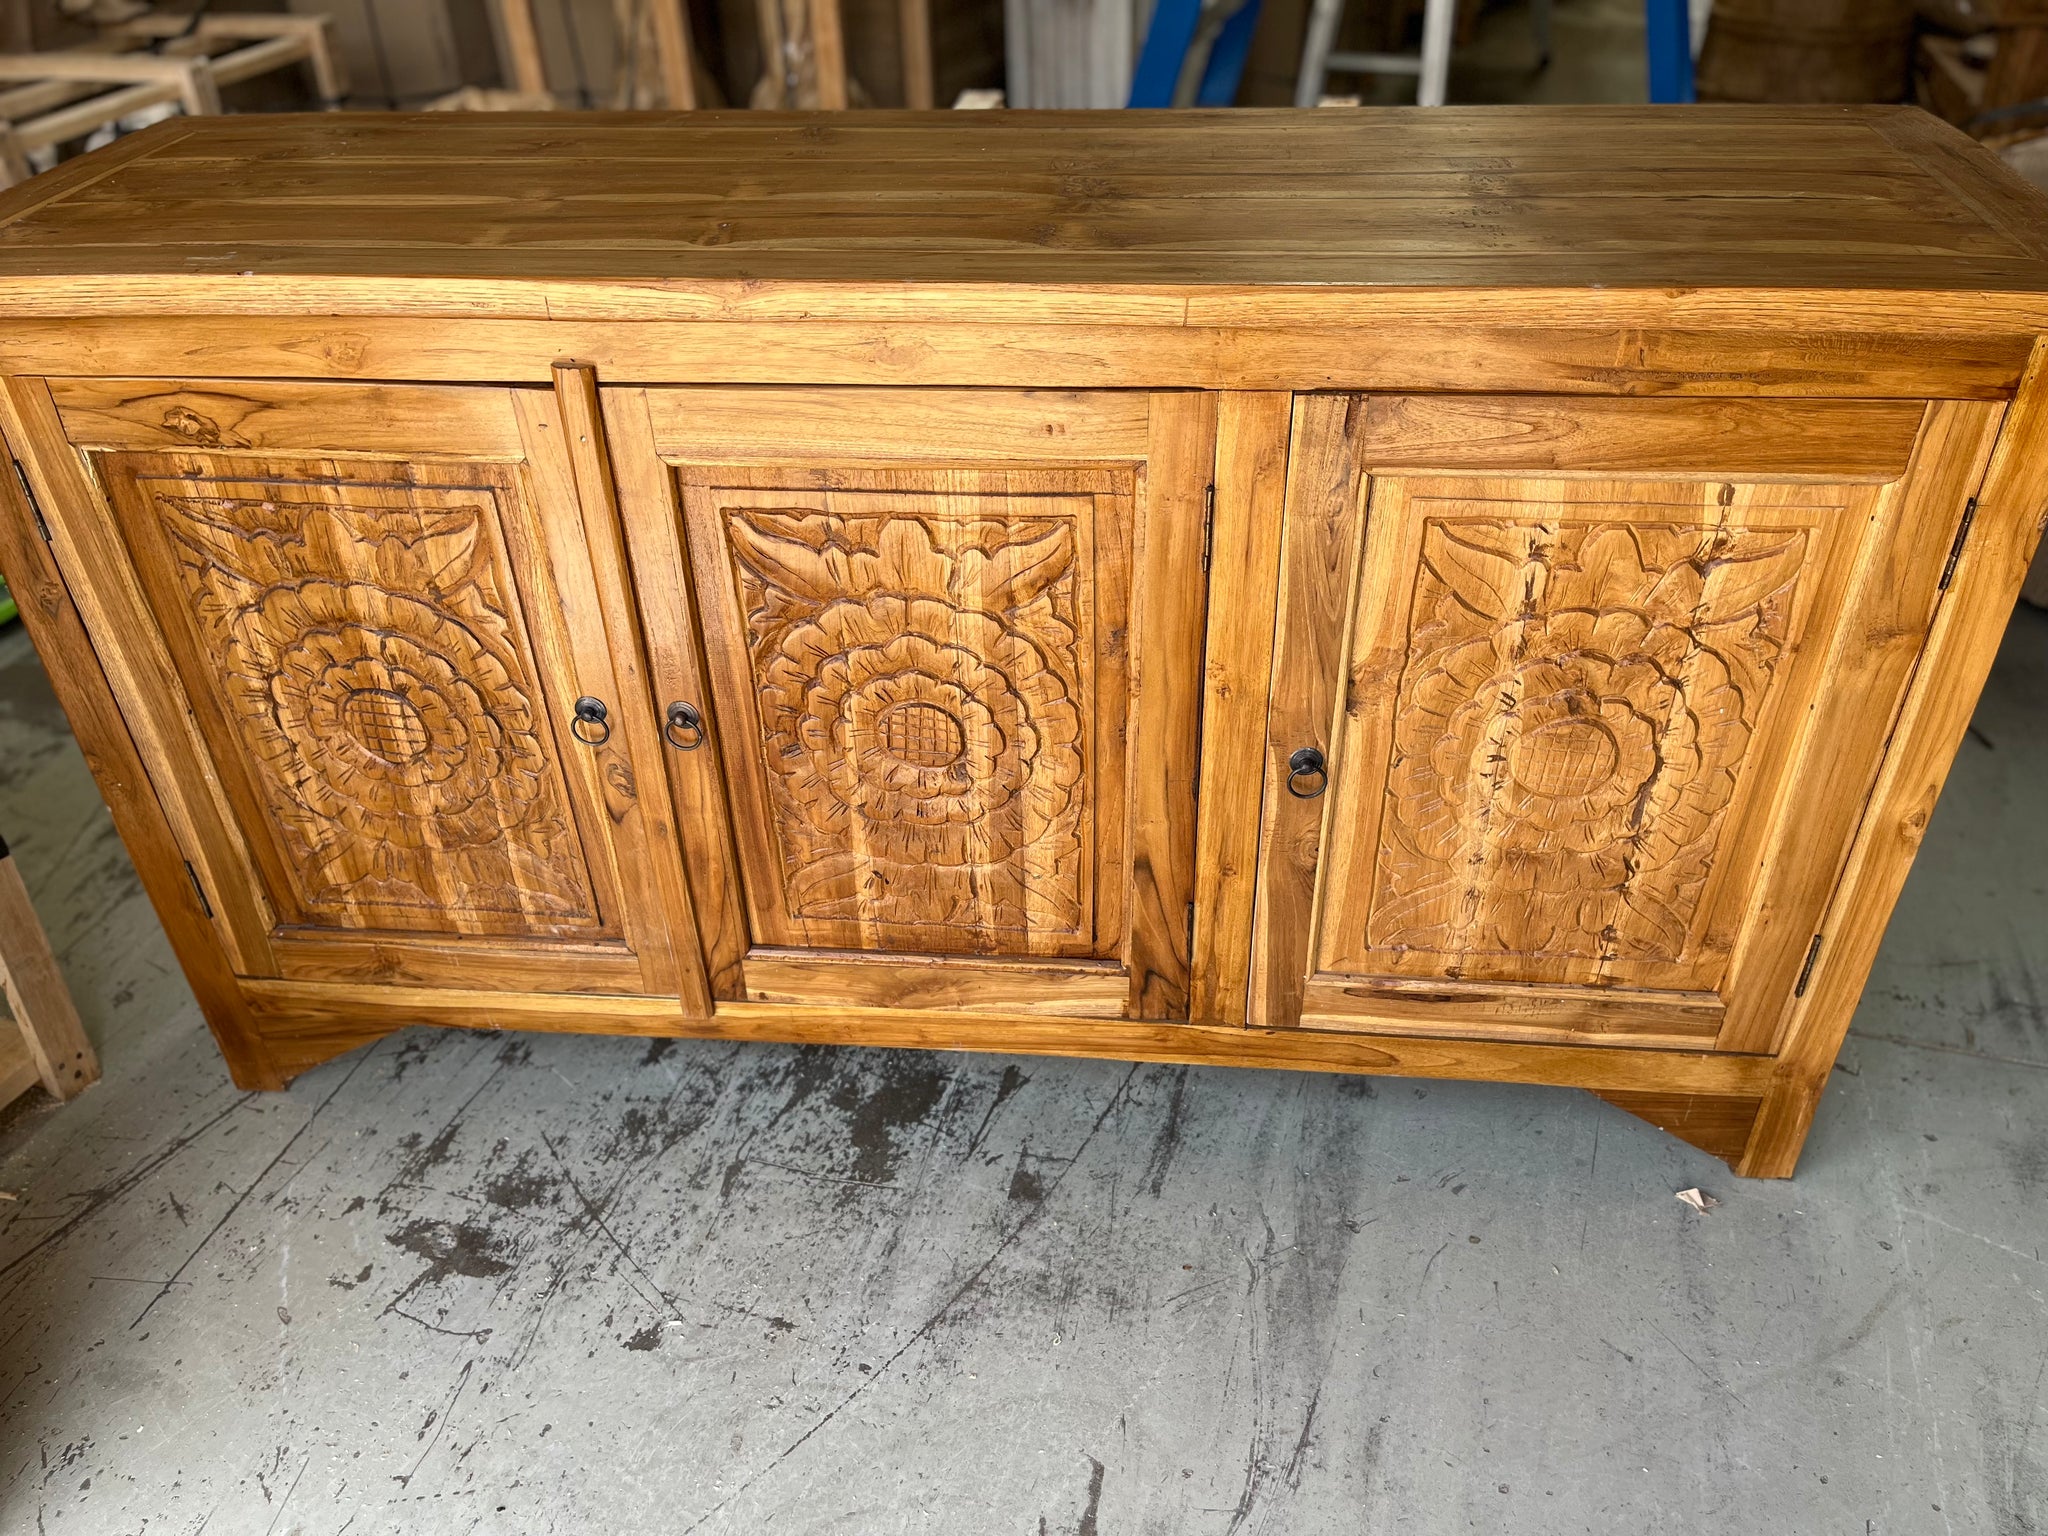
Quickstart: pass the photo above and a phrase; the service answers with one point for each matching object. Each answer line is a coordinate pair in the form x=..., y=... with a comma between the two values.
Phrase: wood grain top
x=1581, y=198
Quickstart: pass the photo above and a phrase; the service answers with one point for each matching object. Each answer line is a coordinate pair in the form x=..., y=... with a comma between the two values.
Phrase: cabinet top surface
x=1795, y=200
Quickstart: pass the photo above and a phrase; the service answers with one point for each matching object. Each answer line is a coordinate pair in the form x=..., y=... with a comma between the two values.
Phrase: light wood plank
x=653, y=846
x=526, y=64
x=914, y=33
x=764, y=424
x=1321, y=543
x=1480, y=201
x=651, y=512
x=1887, y=614
x=1252, y=440
x=149, y=415
x=1046, y=989
x=828, y=55
x=674, y=54
x=1383, y=355
x=17, y=1067
x=1504, y=1011
x=289, y=1010
x=1849, y=440
x=1167, y=640
x=62, y=1057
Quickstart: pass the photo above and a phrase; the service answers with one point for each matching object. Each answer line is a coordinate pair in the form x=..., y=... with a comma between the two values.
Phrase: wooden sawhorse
x=50, y=1045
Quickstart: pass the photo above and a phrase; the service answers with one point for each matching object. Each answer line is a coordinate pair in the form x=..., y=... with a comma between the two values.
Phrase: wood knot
x=187, y=423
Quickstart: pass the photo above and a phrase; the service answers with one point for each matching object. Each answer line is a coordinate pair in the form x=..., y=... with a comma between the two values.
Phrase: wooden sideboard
x=1480, y=594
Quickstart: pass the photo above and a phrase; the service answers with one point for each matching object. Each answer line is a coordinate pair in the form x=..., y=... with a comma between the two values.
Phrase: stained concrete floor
x=493, y=1283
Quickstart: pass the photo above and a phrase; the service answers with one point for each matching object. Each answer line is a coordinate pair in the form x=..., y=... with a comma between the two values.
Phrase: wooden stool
x=52, y=1049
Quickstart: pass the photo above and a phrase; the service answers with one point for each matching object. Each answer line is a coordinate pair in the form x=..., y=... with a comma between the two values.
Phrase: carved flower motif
x=1574, y=733
x=390, y=716
x=926, y=749
x=839, y=680
x=1563, y=752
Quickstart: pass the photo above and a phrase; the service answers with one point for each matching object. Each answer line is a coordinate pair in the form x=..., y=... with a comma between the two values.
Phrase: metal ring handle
x=685, y=718
x=593, y=723
x=1306, y=764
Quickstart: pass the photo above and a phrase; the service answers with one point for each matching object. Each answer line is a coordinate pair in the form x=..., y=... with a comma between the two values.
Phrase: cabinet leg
x=1715, y=1123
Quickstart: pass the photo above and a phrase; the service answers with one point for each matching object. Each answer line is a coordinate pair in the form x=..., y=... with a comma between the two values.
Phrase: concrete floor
x=493, y=1283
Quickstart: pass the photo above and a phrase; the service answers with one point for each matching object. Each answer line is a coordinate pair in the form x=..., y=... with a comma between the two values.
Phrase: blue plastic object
x=1227, y=59
x=1670, y=45
x=1167, y=41
x=1166, y=44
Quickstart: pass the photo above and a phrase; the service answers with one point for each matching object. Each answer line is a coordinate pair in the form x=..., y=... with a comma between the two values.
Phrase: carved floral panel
x=369, y=659
x=1574, y=714
x=923, y=685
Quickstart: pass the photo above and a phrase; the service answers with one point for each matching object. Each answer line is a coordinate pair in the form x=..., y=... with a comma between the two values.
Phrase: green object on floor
x=8, y=608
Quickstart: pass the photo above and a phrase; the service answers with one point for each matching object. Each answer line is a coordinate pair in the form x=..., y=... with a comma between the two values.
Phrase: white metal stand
x=1431, y=67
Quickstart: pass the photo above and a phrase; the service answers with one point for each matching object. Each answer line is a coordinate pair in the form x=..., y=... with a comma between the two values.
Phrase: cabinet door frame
x=1923, y=459
x=521, y=435
x=1166, y=437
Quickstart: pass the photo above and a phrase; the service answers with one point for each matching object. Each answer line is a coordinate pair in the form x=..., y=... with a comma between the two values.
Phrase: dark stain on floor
x=452, y=1248
x=881, y=1114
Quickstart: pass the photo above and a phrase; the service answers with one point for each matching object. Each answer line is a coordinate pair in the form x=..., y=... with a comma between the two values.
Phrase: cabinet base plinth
x=1716, y=1124
x=1706, y=1098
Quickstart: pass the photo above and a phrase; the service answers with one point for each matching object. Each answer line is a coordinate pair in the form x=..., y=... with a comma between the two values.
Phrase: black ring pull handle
x=684, y=727
x=1307, y=767
x=593, y=723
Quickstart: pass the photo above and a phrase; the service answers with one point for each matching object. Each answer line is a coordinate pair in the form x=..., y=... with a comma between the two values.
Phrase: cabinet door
x=946, y=647
x=352, y=626
x=1600, y=688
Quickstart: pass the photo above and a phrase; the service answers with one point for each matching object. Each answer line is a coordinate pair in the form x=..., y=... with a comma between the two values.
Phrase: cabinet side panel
x=2012, y=508
x=81, y=687
x=148, y=694
x=1870, y=656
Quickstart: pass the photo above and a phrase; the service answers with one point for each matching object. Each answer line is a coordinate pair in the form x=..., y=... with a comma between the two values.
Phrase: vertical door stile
x=1252, y=441
x=650, y=509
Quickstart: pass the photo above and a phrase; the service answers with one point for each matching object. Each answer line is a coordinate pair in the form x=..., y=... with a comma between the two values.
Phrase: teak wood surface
x=868, y=578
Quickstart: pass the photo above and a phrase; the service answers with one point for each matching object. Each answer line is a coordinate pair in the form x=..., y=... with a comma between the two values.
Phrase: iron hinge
x=35, y=508
x=1955, y=550
x=1208, y=525
x=199, y=890
x=1806, y=970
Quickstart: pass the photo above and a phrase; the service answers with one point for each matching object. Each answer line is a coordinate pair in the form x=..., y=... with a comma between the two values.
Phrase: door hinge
x=1191, y=933
x=35, y=508
x=1208, y=525
x=1806, y=970
x=1955, y=550
x=199, y=890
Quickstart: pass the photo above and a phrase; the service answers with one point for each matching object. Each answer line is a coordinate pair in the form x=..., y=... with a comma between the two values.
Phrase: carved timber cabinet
x=1477, y=594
